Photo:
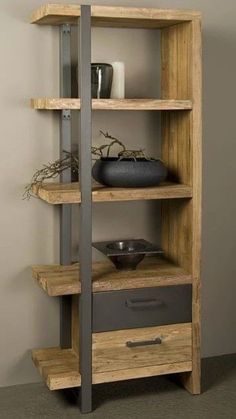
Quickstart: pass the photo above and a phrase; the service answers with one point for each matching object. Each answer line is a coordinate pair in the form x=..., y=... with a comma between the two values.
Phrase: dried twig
x=51, y=171
x=71, y=161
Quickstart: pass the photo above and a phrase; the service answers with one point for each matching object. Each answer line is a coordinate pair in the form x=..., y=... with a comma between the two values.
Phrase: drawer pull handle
x=143, y=303
x=134, y=344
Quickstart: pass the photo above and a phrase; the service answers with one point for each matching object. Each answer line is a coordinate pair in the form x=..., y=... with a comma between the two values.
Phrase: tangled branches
x=71, y=162
x=51, y=171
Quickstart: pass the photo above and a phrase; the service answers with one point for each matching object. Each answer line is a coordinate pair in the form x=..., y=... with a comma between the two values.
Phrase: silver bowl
x=126, y=254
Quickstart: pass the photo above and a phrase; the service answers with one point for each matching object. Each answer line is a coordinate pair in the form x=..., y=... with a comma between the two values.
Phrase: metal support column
x=85, y=241
x=65, y=145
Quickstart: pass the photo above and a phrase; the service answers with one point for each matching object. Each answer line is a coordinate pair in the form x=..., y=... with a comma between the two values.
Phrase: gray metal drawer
x=116, y=310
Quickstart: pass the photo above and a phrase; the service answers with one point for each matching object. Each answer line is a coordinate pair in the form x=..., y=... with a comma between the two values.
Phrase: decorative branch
x=71, y=161
x=51, y=171
x=114, y=141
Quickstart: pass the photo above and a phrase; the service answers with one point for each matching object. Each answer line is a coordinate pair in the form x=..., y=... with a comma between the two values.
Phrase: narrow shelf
x=112, y=104
x=69, y=193
x=59, y=369
x=155, y=271
x=125, y=17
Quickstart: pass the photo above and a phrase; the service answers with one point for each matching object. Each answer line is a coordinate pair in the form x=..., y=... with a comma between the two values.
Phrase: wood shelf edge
x=47, y=103
x=69, y=193
x=117, y=16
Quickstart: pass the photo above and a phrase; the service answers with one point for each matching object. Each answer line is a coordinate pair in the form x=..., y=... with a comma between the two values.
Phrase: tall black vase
x=101, y=79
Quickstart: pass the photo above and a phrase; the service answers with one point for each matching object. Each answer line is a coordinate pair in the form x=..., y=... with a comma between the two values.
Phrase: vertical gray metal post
x=65, y=145
x=85, y=241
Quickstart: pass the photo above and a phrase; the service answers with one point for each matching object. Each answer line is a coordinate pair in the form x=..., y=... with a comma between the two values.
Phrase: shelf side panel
x=192, y=381
x=181, y=150
x=176, y=141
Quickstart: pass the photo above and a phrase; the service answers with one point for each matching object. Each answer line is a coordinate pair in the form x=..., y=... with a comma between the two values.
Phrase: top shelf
x=117, y=17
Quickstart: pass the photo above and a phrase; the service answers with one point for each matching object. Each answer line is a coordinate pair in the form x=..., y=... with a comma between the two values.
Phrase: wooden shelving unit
x=87, y=356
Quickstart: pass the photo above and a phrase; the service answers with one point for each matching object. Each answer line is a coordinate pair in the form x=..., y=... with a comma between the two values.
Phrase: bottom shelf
x=58, y=367
x=114, y=360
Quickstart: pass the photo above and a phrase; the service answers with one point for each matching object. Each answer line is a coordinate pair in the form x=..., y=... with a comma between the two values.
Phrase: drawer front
x=137, y=348
x=116, y=310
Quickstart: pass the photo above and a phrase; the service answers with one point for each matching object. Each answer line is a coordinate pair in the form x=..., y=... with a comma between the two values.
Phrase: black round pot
x=128, y=173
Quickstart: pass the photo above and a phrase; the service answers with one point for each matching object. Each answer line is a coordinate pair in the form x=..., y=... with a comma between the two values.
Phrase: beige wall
x=29, y=230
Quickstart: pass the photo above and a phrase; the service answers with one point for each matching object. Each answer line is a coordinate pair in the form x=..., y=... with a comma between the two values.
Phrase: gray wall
x=29, y=230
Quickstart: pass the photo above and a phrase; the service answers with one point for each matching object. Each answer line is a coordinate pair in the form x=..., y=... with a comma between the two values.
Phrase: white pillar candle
x=118, y=81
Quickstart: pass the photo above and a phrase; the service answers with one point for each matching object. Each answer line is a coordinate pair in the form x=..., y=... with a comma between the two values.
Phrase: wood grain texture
x=59, y=369
x=177, y=141
x=181, y=150
x=110, y=351
x=69, y=193
x=112, y=104
x=147, y=371
x=56, y=14
x=59, y=280
x=192, y=381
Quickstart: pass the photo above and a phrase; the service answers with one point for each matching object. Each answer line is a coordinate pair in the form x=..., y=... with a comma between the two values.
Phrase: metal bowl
x=126, y=262
x=126, y=254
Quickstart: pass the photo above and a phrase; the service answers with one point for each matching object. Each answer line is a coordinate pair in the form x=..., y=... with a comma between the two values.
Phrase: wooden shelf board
x=155, y=271
x=69, y=193
x=112, y=104
x=126, y=17
x=59, y=369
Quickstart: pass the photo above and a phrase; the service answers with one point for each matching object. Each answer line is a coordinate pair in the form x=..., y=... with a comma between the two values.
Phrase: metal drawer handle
x=134, y=344
x=143, y=303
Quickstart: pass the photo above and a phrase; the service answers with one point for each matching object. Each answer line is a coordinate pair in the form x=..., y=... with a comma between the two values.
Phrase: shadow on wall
x=219, y=200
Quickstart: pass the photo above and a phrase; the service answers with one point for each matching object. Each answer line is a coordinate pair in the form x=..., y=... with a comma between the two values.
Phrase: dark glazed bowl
x=126, y=254
x=129, y=173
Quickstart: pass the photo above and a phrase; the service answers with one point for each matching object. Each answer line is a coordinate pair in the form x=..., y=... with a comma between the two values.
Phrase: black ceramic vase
x=101, y=79
x=128, y=173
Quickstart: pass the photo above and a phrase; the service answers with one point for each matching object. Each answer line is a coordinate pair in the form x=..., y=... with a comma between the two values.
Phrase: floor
x=154, y=398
